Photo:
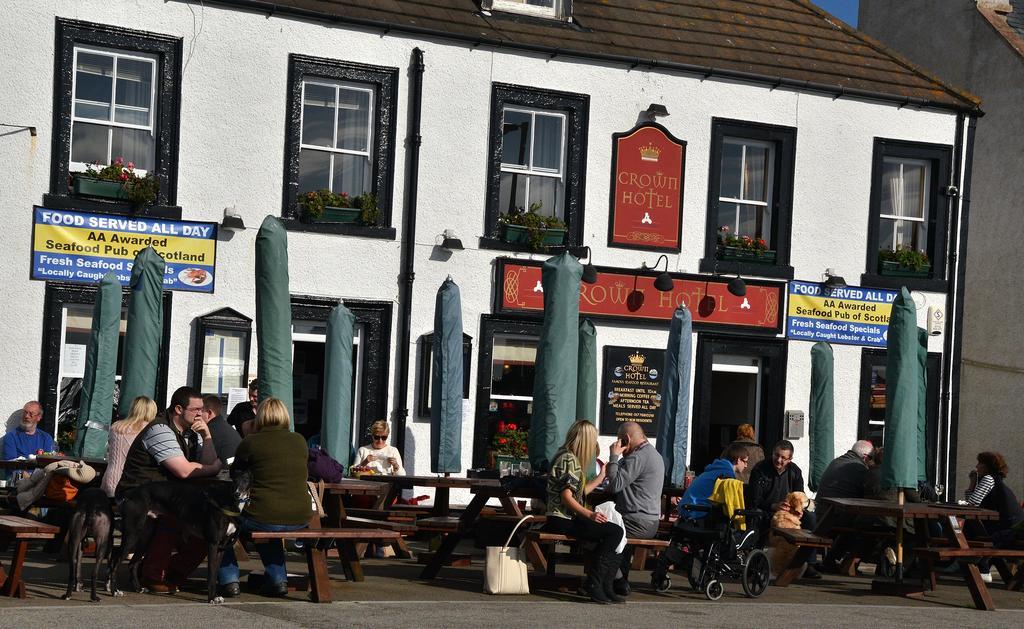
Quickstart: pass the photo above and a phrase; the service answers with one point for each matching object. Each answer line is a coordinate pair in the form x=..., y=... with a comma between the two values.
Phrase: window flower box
x=92, y=187
x=520, y=235
x=895, y=269
x=340, y=215
x=740, y=254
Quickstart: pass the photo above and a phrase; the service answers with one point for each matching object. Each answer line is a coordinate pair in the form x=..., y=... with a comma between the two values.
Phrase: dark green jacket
x=276, y=462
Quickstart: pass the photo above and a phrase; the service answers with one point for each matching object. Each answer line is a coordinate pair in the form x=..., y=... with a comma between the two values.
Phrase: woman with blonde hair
x=378, y=455
x=568, y=514
x=120, y=437
x=275, y=459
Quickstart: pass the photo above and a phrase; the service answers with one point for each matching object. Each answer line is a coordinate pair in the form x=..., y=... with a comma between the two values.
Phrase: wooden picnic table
x=42, y=461
x=947, y=515
x=21, y=531
x=441, y=484
x=337, y=516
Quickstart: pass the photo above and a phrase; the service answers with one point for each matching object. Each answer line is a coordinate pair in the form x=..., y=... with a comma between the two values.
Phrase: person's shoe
x=811, y=573
x=160, y=587
x=230, y=590
x=621, y=587
x=986, y=577
x=611, y=566
x=276, y=590
x=890, y=555
x=594, y=583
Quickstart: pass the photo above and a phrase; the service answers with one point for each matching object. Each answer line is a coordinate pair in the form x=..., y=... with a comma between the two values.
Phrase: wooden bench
x=806, y=543
x=548, y=540
x=1013, y=580
x=21, y=531
x=316, y=555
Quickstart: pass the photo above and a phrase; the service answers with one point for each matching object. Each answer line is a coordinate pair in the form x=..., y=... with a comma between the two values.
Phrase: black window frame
x=168, y=50
x=426, y=357
x=57, y=295
x=489, y=326
x=941, y=158
x=222, y=319
x=784, y=139
x=576, y=108
x=385, y=83
x=871, y=357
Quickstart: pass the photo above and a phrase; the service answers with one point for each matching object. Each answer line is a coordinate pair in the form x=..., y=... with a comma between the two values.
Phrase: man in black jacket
x=772, y=480
x=845, y=476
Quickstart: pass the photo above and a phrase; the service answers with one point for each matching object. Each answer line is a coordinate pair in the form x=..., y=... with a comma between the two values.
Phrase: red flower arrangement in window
x=509, y=440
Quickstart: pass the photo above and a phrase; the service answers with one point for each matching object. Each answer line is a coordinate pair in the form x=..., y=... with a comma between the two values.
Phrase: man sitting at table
x=175, y=446
x=772, y=480
x=225, y=438
x=27, y=438
x=636, y=473
x=845, y=477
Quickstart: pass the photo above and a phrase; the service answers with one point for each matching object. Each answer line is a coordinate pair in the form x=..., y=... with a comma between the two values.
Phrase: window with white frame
x=336, y=137
x=745, y=189
x=903, y=214
x=113, y=108
x=539, y=8
x=532, y=161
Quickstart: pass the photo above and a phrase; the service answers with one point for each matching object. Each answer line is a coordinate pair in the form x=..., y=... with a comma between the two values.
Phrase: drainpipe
x=953, y=344
x=408, y=275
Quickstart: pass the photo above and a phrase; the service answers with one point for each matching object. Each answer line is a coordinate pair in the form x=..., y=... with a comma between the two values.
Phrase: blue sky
x=845, y=10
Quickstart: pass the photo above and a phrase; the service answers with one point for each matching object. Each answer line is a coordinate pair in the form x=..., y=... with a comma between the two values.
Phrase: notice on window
x=847, y=316
x=631, y=388
x=236, y=396
x=70, y=246
x=74, y=361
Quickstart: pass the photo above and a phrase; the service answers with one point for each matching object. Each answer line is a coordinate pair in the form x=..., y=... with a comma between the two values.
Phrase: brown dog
x=780, y=552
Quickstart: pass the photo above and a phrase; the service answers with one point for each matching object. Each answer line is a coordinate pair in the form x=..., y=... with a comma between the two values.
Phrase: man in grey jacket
x=635, y=473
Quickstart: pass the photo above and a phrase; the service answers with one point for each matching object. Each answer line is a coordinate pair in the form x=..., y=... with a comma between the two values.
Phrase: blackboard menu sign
x=631, y=388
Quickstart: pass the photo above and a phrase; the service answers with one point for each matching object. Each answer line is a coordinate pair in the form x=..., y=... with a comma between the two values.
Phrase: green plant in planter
x=313, y=203
x=139, y=190
x=907, y=257
x=369, y=212
x=758, y=246
x=535, y=224
x=510, y=440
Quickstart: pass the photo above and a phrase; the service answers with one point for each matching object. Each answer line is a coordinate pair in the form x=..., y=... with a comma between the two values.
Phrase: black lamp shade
x=664, y=282
x=737, y=286
x=835, y=281
x=589, y=274
x=232, y=223
x=452, y=244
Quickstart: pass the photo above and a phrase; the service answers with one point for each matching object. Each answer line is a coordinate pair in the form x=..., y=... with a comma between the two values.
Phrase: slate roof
x=1016, y=18
x=1010, y=26
x=788, y=43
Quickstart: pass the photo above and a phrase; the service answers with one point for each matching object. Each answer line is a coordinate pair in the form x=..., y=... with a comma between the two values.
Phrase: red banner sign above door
x=626, y=295
x=646, y=189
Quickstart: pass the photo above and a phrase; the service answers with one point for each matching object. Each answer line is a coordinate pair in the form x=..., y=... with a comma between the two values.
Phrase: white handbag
x=505, y=571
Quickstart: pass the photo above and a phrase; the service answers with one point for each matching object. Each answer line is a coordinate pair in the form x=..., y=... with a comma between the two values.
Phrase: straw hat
x=79, y=473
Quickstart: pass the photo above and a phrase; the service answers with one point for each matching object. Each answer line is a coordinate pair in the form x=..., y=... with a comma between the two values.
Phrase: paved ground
x=392, y=596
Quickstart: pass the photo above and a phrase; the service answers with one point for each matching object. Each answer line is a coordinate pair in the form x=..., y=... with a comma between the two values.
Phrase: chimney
x=999, y=6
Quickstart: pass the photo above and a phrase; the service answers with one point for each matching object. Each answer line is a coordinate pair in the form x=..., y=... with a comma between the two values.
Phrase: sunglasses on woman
x=380, y=437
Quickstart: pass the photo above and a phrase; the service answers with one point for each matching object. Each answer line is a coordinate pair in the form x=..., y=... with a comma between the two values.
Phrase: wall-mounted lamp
x=737, y=286
x=589, y=272
x=450, y=241
x=655, y=110
x=664, y=281
x=833, y=281
x=232, y=220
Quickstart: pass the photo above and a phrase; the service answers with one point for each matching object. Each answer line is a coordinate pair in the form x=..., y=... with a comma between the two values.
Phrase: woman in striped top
x=988, y=490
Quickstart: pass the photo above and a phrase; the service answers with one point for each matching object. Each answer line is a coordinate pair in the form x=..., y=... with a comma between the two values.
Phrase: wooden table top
x=15, y=524
x=42, y=461
x=866, y=506
x=460, y=482
x=357, y=487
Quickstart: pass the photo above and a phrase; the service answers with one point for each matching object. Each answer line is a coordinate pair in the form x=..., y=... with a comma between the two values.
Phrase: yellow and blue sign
x=72, y=246
x=848, y=316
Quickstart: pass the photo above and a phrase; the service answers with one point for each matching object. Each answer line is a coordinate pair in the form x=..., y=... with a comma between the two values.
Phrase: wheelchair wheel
x=756, y=573
x=714, y=590
x=661, y=584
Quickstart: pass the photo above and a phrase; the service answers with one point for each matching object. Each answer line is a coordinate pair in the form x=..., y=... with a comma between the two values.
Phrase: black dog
x=92, y=518
x=203, y=511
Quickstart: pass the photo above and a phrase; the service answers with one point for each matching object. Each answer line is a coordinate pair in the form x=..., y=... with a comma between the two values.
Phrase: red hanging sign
x=646, y=189
x=622, y=294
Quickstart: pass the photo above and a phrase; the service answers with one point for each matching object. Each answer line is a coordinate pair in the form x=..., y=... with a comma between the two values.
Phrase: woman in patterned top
x=568, y=514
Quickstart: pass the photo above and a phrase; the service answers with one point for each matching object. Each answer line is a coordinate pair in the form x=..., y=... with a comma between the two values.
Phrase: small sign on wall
x=646, y=189
x=631, y=388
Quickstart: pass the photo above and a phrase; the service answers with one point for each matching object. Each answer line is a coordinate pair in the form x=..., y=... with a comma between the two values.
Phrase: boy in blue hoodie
x=733, y=462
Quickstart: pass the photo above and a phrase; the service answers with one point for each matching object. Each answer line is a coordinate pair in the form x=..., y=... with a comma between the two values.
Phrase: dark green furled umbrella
x=902, y=385
x=145, y=330
x=447, y=378
x=922, y=405
x=674, y=412
x=554, y=383
x=821, y=412
x=274, y=314
x=336, y=431
x=586, y=375
x=97, y=402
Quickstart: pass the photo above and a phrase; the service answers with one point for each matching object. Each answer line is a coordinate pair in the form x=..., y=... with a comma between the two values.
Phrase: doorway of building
x=738, y=381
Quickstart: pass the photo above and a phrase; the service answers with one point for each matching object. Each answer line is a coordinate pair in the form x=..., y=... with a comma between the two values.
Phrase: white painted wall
x=231, y=154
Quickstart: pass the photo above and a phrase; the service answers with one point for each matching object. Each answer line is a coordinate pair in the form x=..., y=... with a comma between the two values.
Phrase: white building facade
x=236, y=108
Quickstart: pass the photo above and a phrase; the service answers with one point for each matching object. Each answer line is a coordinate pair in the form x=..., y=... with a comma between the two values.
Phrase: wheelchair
x=714, y=548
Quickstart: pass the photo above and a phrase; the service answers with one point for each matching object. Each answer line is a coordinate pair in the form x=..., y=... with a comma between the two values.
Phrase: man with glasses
x=772, y=480
x=175, y=446
x=27, y=438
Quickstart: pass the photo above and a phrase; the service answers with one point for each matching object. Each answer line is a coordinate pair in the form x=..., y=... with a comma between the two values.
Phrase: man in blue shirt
x=27, y=438
x=733, y=462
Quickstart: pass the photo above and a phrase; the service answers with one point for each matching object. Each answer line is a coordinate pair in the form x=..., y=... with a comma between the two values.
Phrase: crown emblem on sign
x=637, y=359
x=649, y=153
